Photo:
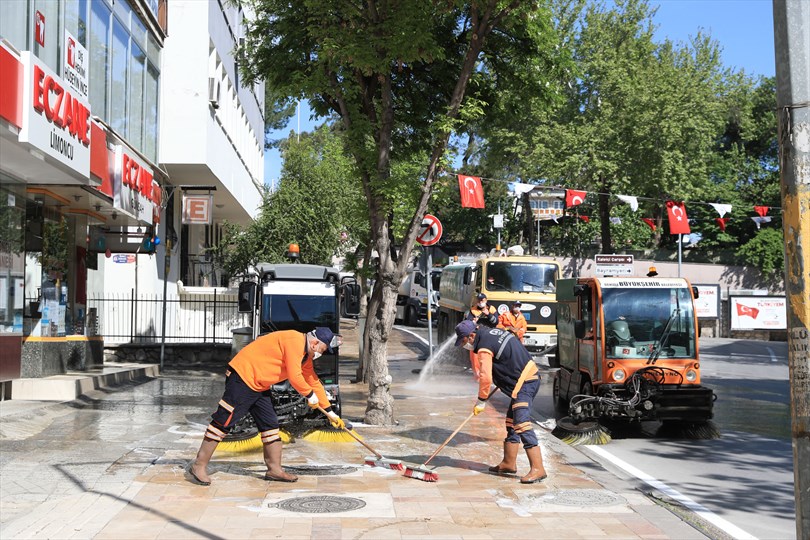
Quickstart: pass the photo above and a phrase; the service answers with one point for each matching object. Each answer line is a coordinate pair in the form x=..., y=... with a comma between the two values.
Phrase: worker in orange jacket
x=514, y=321
x=481, y=313
x=271, y=359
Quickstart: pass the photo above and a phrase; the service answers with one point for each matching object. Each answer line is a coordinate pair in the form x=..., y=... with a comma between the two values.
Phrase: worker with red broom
x=507, y=363
x=270, y=359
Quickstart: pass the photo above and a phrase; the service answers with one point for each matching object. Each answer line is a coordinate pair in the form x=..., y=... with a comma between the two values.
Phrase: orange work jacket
x=517, y=323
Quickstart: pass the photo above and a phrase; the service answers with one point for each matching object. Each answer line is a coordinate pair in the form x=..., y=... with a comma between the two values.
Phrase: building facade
x=79, y=180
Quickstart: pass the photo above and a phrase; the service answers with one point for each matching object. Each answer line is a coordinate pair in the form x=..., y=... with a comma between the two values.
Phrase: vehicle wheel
x=560, y=405
x=587, y=388
x=410, y=317
x=554, y=360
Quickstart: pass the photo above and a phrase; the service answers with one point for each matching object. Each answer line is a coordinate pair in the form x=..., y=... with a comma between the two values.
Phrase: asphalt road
x=742, y=481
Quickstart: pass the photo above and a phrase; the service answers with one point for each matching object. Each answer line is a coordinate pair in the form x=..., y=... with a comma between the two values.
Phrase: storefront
x=70, y=188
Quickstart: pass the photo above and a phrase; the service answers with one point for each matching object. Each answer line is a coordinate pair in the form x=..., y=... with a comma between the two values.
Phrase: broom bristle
x=374, y=461
x=581, y=434
x=421, y=474
x=249, y=445
x=329, y=435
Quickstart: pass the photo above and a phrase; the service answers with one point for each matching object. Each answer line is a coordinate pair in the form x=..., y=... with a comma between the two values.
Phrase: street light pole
x=791, y=24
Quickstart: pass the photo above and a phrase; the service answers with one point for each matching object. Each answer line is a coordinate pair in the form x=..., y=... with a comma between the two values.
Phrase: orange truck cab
x=628, y=348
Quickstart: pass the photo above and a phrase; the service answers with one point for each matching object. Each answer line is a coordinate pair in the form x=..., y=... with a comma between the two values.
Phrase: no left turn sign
x=430, y=231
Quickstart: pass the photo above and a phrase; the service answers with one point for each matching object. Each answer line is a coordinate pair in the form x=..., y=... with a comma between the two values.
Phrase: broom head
x=241, y=445
x=385, y=463
x=582, y=433
x=329, y=435
x=422, y=472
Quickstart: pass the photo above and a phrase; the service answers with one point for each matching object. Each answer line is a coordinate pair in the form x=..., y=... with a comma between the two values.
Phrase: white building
x=211, y=142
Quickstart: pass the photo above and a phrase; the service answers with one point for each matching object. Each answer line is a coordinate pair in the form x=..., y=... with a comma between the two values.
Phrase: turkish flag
x=472, y=192
x=650, y=223
x=761, y=210
x=678, y=222
x=747, y=310
x=721, y=222
x=574, y=197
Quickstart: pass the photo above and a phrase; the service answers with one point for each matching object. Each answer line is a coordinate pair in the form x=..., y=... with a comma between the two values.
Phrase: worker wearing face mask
x=481, y=313
x=270, y=359
x=513, y=321
x=507, y=363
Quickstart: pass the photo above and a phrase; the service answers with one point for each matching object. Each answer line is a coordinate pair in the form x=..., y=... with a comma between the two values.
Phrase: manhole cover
x=583, y=497
x=323, y=504
x=319, y=470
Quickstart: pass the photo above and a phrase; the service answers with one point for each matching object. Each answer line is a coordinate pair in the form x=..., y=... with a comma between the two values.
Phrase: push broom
x=377, y=460
x=429, y=474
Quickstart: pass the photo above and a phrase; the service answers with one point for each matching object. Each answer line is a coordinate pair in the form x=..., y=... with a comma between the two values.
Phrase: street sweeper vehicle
x=295, y=297
x=530, y=280
x=627, y=348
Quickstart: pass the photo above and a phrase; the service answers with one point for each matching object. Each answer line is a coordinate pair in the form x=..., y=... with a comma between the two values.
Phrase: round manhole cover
x=319, y=470
x=583, y=497
x=322, y=504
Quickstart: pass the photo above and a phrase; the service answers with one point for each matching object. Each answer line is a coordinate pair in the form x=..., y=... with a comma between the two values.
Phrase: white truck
x=412, y=299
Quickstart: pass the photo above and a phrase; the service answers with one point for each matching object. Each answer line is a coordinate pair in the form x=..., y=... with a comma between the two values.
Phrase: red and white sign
x=39, y=28
x=758, y=312
x=678, y=222
x=56, y=118
x=707, y=304
x=430, y=232
x=75, y=66
x=135, y=191
x=197, y=209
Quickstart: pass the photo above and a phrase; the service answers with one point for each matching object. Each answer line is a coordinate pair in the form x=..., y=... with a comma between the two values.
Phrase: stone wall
x=185, y=355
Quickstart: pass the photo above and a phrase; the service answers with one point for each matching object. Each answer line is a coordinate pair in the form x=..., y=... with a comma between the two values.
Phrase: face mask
x=468, y=346
x=482, y=304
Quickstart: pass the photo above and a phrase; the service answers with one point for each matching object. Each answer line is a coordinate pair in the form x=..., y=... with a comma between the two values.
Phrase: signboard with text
x=758, y=312
x=56, y=118
x=707, y=304
x=75, y=65
x=197, y=209
x=135, y=191
x=614, y=265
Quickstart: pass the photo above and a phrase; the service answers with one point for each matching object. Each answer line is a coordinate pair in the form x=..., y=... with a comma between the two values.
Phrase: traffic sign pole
x=429, y=252
x=431, y=233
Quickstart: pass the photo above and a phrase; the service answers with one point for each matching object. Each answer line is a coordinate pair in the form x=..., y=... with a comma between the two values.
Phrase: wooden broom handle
x=439, y=449
x=355, y=437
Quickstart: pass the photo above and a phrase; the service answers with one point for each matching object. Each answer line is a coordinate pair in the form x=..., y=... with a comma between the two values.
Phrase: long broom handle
x=355, y=437
x=439, y=449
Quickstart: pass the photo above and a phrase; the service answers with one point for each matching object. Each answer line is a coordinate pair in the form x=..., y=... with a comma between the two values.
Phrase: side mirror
x=579, y=329
x=351, y=300
x=247, y=296
x=695, y=293
x=419, y=279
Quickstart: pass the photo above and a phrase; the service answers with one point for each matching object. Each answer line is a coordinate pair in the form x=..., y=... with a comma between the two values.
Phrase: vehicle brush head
x=582, y=433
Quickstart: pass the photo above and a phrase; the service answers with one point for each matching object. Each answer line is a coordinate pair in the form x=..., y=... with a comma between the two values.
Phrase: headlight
x=618, y=375
x=691, y=375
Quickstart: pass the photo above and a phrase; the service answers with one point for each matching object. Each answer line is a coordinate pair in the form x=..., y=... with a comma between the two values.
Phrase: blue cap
x=482, y=296
x=326, y=336
x=464, y=329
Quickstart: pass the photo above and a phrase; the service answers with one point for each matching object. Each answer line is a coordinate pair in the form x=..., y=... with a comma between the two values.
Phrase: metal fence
x=190, y=318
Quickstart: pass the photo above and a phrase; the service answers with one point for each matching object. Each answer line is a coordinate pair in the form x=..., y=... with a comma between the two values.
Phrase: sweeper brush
x=582, y=433
x=429, y=474
x=377, y=460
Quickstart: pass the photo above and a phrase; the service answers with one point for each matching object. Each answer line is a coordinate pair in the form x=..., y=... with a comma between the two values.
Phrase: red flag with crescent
x=678, y=222
x=574, y=197
x=650, y=223
x=747, y=310
x=472, y=191
x=761, y=210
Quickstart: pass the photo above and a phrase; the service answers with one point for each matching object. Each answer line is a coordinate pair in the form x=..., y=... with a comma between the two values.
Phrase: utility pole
x=791, y=24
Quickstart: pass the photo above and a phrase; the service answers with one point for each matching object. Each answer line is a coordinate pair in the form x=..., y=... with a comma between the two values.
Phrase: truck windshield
x=298, y=312
x=521, y=277
x=635, y=319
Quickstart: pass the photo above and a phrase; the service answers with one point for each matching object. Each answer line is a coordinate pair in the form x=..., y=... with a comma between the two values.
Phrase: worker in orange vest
x=514, y=321
x=481, y=313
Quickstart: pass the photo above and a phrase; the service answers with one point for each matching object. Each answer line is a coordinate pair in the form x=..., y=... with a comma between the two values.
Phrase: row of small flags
x=472, y=196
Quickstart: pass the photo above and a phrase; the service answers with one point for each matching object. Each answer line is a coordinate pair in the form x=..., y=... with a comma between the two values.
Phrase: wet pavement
x=112, y=465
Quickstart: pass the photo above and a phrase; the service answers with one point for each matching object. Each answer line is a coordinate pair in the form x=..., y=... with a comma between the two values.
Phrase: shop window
x=12, y=265
x=14, y=23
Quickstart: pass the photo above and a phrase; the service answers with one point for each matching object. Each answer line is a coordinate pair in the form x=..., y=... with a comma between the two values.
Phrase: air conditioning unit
x=213, y=92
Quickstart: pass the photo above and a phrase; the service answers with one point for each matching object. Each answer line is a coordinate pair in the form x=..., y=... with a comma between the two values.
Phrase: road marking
x=773, y=356
x=414, y=334
x=695, y=507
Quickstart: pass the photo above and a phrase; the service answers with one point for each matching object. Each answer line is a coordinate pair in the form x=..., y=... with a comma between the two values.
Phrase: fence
x=190, y=318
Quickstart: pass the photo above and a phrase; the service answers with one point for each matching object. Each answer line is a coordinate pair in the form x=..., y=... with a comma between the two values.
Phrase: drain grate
x=583, y=497
x=321, y=504
x=319, y=470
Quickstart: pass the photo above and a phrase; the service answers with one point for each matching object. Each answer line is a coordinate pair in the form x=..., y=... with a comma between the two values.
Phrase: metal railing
x=190, y=318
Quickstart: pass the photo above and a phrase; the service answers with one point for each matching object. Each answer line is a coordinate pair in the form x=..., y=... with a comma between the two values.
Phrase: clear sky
x=744, y=29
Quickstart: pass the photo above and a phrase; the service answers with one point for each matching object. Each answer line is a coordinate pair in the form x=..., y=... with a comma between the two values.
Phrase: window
x=119, y=79
x=14, y=23
x=136, y=96
x=76, y=19
x=99, y=53
x=150, y=118
x=52, y=36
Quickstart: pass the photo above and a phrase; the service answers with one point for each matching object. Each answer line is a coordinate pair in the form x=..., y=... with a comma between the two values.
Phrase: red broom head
x=425, y=476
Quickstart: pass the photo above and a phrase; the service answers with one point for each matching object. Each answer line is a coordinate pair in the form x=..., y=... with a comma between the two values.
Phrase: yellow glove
x=479, y=407
x=313, y=401
x=336, y=421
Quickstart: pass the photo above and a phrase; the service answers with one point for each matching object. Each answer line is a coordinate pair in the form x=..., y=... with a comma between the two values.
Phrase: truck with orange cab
x=628, y=348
